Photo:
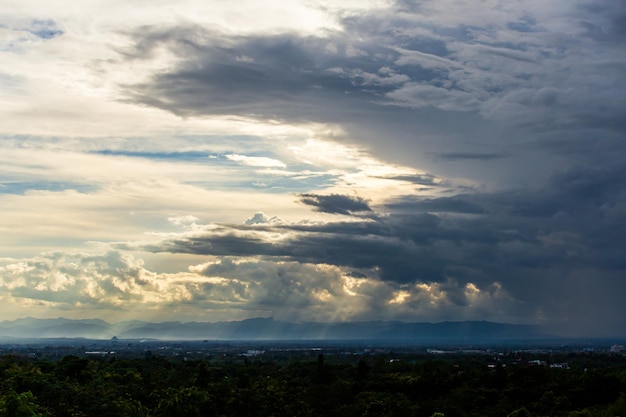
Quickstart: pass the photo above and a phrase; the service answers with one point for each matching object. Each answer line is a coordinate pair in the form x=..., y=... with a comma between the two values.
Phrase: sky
x=315, y=160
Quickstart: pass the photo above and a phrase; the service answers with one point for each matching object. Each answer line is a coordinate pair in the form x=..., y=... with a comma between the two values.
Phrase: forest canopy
x=371, y=385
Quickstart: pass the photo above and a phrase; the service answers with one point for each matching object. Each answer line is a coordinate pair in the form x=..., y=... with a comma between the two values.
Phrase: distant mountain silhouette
x=270, y=329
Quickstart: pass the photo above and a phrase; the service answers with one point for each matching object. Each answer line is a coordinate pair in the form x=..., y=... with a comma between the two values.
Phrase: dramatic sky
x=314, y=160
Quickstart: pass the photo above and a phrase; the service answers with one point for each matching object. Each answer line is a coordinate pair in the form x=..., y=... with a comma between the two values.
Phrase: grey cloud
x=511, y=53
x=280, y=76
x=484, y=156
x=420, y=95
x=442, y=204
x=427, y=86
x=597, y=13
x=420, y=179
x=525, y=24
x=225, y=244
x=336, y=203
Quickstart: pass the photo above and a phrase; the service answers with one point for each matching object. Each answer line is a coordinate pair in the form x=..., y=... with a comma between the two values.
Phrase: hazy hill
x=270, y=329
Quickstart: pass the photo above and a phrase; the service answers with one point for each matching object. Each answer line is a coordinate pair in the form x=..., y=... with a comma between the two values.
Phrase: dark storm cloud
x=402, y=254
x=336, y=203
x=410, y=83
x=573, y=222
x=514, y=101
x=563, y=238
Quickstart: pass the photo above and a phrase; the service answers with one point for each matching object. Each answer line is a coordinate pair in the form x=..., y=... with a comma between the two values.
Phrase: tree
x=23, y=404
x=520, y=412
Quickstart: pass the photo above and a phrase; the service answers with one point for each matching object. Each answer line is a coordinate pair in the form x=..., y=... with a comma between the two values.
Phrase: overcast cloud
x=418, y=161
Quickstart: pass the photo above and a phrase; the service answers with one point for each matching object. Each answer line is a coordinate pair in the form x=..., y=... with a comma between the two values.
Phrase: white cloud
x=256, y=161
x=117, y=285
x=261, y=218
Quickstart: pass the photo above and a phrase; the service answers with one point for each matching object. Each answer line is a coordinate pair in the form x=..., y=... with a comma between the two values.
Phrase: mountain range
x=270, y=329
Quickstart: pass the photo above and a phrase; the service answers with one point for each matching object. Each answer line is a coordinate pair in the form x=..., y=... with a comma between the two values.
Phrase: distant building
x=252, y=353
x=563, y=365
x=617, y=349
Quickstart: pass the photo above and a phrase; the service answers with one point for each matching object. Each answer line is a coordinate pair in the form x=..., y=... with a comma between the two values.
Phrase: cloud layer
x=431, y=160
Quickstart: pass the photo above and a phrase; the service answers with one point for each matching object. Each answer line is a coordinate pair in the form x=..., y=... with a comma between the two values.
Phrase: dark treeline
x=351, y=387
